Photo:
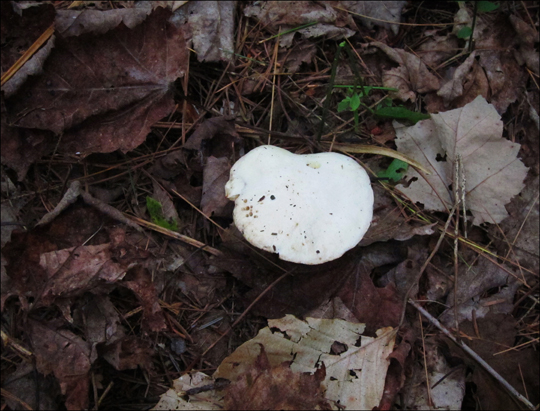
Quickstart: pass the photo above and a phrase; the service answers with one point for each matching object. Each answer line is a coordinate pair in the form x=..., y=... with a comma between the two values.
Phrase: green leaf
x=395, y=171
x=156, y=214
x=485, y=6
x=464, y=33
x=355, y=102
x=401, y=113
x=344, y=105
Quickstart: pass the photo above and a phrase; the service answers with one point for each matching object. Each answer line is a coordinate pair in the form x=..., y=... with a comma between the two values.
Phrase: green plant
x=479, y=7
x=155, y=210
x=394, y=172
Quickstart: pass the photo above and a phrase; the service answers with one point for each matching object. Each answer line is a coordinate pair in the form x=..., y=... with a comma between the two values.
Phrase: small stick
x=469, y=351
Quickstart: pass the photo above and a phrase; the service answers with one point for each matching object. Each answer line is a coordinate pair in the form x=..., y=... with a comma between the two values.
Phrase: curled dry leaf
x=493, y=173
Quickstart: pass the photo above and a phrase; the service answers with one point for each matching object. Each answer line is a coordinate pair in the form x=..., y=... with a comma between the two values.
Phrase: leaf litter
x=140, y=308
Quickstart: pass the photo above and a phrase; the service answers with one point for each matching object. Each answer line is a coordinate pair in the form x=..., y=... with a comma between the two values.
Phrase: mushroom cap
x=309, y=208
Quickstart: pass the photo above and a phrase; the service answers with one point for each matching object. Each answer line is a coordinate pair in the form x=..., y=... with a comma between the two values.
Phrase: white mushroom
x=309, y=208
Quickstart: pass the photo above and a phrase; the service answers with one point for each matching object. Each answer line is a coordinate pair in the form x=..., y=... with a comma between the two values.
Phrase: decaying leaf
x=129, y=353
x=76, y=22
x=522, y=227
x=493, y=173
x=437, y=49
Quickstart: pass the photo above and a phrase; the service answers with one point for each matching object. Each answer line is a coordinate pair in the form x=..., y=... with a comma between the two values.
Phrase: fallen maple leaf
x=493, y=173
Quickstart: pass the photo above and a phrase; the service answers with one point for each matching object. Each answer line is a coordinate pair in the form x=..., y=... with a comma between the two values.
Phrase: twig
x=512, y=391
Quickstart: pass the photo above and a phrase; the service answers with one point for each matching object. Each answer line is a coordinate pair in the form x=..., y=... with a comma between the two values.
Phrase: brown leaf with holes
x=264, y=387
x=67, y=356
x=103, y=92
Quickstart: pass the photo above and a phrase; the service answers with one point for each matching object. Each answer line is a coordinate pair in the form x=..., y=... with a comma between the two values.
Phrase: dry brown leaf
x=388, y=222
x=376, y=307
x=210, y=25
x=493, y=173
x=527, y=36
x=139, y=280
x=377, y=13
x=450, y=389
x=520, y=368
x=99, y=106
x=167, y=206
x=100, y=319
x=211, y=128
x=437, y=49
x=410, y=77
x=291, y=14
x=65, y=355
x=76, y=22
x=20, y=29
x=216, y=174
x=129, y=353
x=522, y=227
x=473, y=296
x=355, y=377
x=28, y=386
x=71, y=271
x=264, y=387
